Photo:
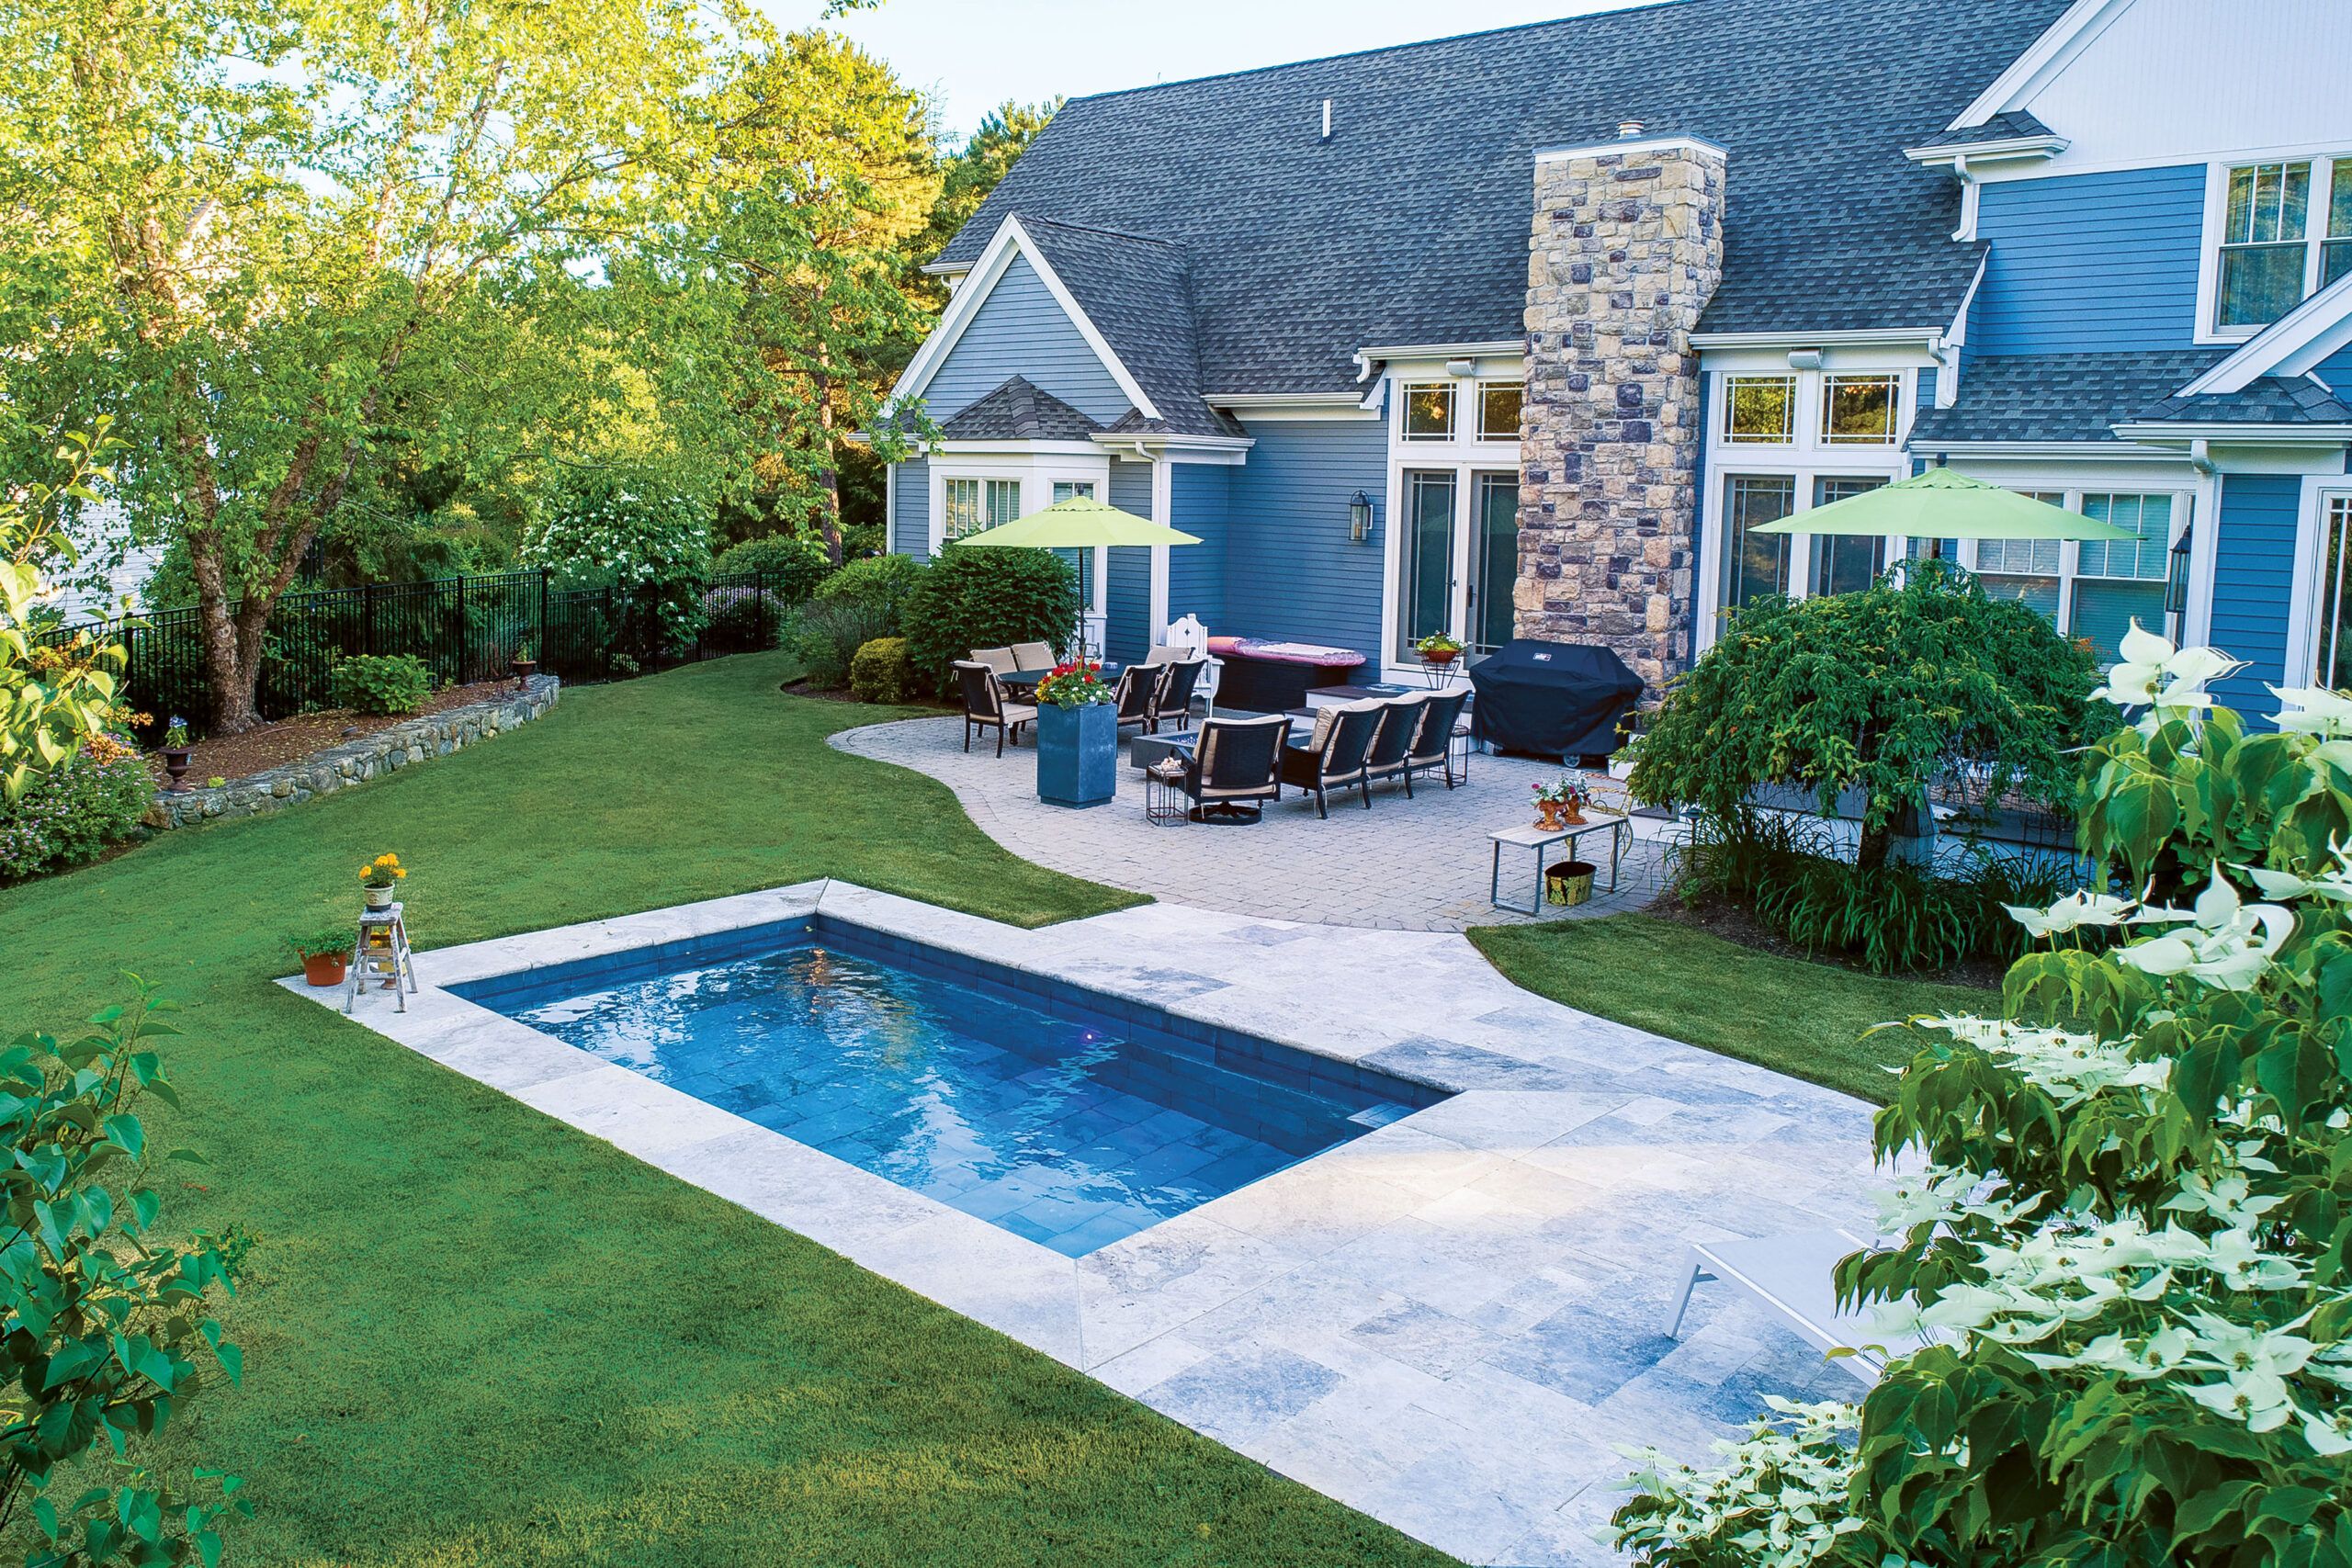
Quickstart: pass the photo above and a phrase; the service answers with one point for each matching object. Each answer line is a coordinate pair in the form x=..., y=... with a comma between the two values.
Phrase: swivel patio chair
x=1400, y=717
x=1432, y=744
x=1174, y=700
x=1233, y=767
x=1000, y=659
x=1137, y=687
x=985, y=708
x=1034, y=655
x=1333, y=756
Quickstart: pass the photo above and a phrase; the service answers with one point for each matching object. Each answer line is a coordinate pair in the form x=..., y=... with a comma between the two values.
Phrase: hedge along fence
x=465, y=628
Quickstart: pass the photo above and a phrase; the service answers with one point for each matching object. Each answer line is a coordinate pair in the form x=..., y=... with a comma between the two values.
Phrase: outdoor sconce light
x=1358, y=517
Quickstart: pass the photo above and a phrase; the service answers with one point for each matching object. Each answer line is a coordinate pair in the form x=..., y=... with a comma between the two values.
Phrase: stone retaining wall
x=356, y=761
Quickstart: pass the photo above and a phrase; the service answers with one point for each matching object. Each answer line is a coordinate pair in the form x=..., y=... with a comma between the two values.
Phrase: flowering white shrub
x=2125, y=1238
x=653, y=549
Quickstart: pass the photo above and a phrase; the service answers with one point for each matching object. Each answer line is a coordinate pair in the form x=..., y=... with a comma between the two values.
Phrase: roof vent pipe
x=1628, y=128
x=1327, y=120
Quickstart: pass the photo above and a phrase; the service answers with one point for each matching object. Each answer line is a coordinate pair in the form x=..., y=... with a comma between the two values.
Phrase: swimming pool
x=1068, y=1117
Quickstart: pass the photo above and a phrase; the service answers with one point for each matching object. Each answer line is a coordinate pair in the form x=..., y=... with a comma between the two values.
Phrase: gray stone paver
x=1420, y=863
x=1451, y=1323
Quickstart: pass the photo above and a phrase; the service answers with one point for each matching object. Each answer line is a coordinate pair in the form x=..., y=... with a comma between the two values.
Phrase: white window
x=1065, y=489
x=1499, y=410
x=2285, y=233
x=2332, y=615
x=1759, y=409
x=967, y=506
x=1860, y=410
x=1755, y=564
x=2095, y=590
x=1428, y=412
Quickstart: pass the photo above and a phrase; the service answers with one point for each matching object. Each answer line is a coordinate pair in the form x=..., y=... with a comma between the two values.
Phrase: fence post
x=547, y=654
x=368, y=618
x=465, y=634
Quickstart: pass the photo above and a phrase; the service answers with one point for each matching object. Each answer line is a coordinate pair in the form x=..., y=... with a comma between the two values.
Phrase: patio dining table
x=1022, y=684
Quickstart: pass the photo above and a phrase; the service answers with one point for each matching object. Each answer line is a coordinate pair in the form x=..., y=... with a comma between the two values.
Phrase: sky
x=973, y=54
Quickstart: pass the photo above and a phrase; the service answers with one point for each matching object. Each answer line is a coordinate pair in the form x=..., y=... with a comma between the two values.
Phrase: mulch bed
x=288, y=740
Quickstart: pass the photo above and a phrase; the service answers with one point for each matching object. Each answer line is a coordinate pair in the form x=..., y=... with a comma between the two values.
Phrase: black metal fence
x=465, y=628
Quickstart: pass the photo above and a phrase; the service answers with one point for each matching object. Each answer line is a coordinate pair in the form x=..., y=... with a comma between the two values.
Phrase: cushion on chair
x=1020, y=713
x=1000, y=659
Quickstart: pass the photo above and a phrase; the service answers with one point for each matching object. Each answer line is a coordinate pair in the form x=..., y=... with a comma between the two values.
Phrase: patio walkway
x=1417, y=864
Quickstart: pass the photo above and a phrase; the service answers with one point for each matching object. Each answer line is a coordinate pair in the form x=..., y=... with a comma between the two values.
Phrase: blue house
x=1568, y=310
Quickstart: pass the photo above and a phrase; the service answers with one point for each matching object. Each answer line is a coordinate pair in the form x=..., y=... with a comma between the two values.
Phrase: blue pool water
x=1069, y=1126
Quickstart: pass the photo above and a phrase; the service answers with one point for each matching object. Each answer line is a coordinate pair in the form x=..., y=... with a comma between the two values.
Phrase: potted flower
x=525, y=666
x=1438, y=648
x=1561, y=803
x=326, y=957
x=175, y=751
x=380, y=877
x=1078, y=736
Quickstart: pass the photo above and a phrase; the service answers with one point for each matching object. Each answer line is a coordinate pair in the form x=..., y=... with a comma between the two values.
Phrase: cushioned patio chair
x=1173, y=701
x=1432, y=744
x=1233, y=766
x=1034, y=655
x=1000, y=659
x=1137, y=687
x=985, y=708
x=1400, y=719
x=1333, y=756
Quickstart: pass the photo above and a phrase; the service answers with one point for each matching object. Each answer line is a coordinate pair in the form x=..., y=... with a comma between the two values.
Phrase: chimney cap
x=1629, y=129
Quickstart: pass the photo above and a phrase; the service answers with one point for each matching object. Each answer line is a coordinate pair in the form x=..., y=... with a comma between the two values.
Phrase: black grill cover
x=1554, y=699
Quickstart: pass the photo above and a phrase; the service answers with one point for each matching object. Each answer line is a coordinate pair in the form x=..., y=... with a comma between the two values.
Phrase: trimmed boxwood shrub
x=76, y=812
x=794, y=563
x=382, y=682
x=880, y=672
x=985, y=598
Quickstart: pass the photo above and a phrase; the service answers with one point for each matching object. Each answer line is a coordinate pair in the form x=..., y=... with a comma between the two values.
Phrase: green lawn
x=1799, y=1017
x=475, y=1336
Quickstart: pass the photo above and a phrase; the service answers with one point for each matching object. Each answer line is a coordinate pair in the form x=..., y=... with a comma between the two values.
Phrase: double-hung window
x=969, y=506
x=2285, y=233
x=2116, y=581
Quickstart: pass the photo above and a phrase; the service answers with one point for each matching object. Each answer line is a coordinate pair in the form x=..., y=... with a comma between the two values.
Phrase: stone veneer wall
x=1627, y=251
x=356, y=761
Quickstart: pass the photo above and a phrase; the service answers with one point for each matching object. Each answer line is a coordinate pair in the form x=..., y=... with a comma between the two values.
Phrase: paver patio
x=1447, y=1323
x=1416, y=864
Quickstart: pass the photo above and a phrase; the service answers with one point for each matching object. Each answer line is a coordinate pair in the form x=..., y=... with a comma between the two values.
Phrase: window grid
x=960, y=509
x=1759, y=410
x=1500, y=405
x=1428, y=412
x=1860, y=410
x=1755, y=565
x=2286, y=232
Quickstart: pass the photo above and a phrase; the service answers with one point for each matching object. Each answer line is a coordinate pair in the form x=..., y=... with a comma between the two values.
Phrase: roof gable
x=2294, y=345
x=1409, y=226
x=1017, y=411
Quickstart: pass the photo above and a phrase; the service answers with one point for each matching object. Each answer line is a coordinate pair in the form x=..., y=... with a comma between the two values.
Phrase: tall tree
x=1004, y=134
x=280, y=237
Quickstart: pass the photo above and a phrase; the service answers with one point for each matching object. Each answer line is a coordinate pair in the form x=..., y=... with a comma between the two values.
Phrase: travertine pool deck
x=1447, y=1323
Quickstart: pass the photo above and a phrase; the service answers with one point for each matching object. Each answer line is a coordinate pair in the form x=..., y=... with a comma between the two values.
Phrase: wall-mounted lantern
x=1358, y=517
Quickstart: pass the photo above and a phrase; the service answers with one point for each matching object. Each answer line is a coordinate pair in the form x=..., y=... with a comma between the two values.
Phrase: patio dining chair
x=1400, y=719
x=999, y=660
x=1234, y=767
x=1175, y=699
x=1432, y=744
x=1334, y=754
x=1137, y=687
x=985, y=708
x=1034, y=655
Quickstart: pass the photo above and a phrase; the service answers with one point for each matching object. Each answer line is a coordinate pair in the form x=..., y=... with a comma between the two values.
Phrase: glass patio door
x=1460, y=558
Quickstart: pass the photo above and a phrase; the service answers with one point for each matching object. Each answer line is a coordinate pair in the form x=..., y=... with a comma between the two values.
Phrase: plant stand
x=1164, y=804
x=382, y=954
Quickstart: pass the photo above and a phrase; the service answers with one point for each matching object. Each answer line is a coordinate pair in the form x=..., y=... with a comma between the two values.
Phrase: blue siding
x=2090, y=263
x=2336, y=370
x=1926, y=397
x=1127, y=591
x=911, y=517
x=1199, y=497
x=2254, y=583
x=1290, y=568
x=1022, y=331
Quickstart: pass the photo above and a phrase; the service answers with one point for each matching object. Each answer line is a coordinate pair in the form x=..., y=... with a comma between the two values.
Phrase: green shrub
x=73, y=814
x=861, y=541
x=882, y=581
x=824, y=636
x=985, y=598
x=650, y=544
x=110, y=1332
x=794, y=564
x=382, y=682
x=2120, y=1207
x=880, y=672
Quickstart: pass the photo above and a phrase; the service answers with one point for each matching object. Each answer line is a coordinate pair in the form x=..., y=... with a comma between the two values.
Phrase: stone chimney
x=1627, y=248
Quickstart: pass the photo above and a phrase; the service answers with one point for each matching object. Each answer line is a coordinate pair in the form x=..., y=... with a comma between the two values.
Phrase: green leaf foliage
x=987, y=598
x=390, y=683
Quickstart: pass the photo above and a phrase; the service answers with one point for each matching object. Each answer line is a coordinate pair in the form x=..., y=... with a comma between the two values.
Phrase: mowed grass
x=1811, y=1020
x=476, y=1336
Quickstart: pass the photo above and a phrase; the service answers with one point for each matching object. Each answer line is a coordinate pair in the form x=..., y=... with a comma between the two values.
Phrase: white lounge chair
x=1792, y=1275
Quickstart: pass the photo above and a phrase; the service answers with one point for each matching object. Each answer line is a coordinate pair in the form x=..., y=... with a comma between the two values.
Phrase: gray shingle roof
x=1410, y=225
x=1019, y=411
x=2274, y=399
x=1139, y=292
x=2007, y=126
x=2057, y=397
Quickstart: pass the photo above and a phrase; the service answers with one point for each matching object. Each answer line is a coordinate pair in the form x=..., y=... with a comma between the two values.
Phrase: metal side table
x=1619, y=828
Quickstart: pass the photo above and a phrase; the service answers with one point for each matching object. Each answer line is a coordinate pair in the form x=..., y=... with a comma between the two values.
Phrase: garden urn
x=523, y=669
x=1078, y=754
x=176, y=765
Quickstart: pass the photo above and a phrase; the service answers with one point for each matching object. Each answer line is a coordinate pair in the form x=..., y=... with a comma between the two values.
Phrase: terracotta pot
x=1443, y=655
x=324, y=969
x=1548, y=814
x=1571, y=816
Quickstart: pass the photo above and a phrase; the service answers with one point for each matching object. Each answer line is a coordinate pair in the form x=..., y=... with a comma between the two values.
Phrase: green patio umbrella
x=1081, y=522
x=1941, y=504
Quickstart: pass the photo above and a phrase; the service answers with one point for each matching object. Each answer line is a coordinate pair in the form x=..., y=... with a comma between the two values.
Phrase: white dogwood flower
x=2228, y=948
x=2075, y=910
x=2316, y=710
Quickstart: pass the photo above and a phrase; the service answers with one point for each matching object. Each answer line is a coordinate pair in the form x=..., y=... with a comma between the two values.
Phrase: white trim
x=1163, y=506
x=1959, y=155
x=2033, y=451
x=2329, y=163
x=964, y=307
x=2291, y=346
x=1035, y=467
x=1485, y=349
x=1850, y=337
x=949, y=270
x=2238, y=435
x=2184, y=159
x=1228, y=451
x=889, y=508
x=2303, y=630
x=2048, y=55
x=1463, y=456
x=1012, y=448
x=1631, y=144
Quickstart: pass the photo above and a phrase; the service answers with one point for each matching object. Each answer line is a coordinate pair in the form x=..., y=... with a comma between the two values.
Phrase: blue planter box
x=1078, y=755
